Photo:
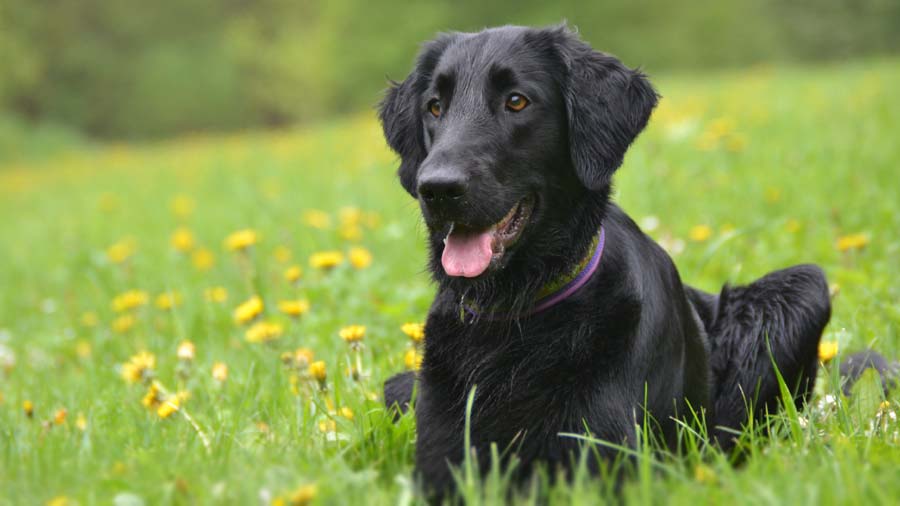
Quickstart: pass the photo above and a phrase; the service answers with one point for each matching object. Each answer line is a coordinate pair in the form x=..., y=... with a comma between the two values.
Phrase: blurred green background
x=130, y=69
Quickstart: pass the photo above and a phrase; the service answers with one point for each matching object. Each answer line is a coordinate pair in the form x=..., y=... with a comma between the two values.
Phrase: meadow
x=209, y=320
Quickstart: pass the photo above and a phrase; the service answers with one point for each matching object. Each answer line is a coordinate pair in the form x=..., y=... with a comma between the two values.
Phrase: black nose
x=442, y=188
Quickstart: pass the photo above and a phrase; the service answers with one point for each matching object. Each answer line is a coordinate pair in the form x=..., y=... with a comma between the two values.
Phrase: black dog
x=550, y=299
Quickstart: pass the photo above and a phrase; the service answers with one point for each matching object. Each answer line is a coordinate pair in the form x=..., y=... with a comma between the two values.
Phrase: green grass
x=778, y=163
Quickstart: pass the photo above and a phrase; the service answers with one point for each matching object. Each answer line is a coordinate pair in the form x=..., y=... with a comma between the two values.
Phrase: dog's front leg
x=398, y=392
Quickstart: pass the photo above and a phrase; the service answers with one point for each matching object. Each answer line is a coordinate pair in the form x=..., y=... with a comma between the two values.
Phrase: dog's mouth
x=469, y=253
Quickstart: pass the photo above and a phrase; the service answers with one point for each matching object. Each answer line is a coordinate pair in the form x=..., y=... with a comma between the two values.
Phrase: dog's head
x=504, y=135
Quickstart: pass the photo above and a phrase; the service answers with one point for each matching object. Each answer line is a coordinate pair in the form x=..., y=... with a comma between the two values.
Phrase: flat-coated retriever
x=566, y=316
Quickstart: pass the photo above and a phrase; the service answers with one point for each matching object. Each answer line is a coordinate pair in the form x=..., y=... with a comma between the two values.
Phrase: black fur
x=634, y=339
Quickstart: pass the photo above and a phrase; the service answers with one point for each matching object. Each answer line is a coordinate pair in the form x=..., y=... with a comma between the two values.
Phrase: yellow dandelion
x=182, y=206
x=139, y=367
x=168, y=407
x=704, y=474
x=303, y=357
x=326, y=259
x=81, y=422
x=89, y=319
x=294, y=307
x=700, y=233
x=263, y=332
x=303, y=495
x=282, y=254
x=59, y=500
x=59, y=417
x=216, y=294
x=220, y=372
x=293, y=274
x=28, y=408
x=153, y=397
x=249, y=310
x=360, y=258
x=351, y=233
x=182, y=240
x=241, y=240
x=123, y=323
x=353, y=333
x=412, y=359
x=415, y=331
x=168, y=300
x=83, y=349
x=350, y=215
x=327, y=426
x=852, y=242
x=121, y=251
x=827, y=351
x=186, y=351
x=132, y=299
x=346, y=413
x=203, y=259
x=317, y=371
x=316, y=218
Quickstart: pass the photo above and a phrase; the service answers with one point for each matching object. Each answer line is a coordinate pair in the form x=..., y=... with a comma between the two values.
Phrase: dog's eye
x=434, y=107
x=516, y=102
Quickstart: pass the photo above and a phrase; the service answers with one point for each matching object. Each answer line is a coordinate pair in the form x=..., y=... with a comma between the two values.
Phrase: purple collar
x=552, y=294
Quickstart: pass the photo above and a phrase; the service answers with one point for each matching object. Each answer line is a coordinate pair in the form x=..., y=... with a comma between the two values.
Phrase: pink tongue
x=467, y=254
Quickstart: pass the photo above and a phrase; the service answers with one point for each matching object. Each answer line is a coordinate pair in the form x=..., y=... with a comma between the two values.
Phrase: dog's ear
x=401, y=115
x=607, y=103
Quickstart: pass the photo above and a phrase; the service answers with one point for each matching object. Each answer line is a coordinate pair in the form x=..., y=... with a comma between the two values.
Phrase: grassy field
x=114, y=250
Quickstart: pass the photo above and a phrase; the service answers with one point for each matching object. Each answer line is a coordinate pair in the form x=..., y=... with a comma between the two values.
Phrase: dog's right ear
x=401, y=112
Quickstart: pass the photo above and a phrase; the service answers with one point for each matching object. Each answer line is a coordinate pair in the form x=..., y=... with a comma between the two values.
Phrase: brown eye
x=516, y=103
x=434, y=107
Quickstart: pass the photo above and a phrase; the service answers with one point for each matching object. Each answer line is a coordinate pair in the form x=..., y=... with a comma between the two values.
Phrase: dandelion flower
x=827, y=351
x=704, y=474
x=182, y=206
x=132, y=299
x=353, y=333
x=293, y=273
x=220, y=372
x=852, y=242
x=168, y=300
x=186, y=351
x=123, y=323
x=59, y=417
x=415, y=331
x=282, y=254
x=89, y=319
x=317, y=219
x=182, y=240
x=203, y=259
x=412, y=359
x=121, y=251
x=59, y=500
x=83, y=349
x=360, y=258
x=152, y=398
x=263, y=332
x=351, y=233
x=326, y=259
x=350, y=215
x=216, y=294
x=700, y=233
x=249, y=310
x=168, y=407
x=241, y=240
x=327, y=426
x=139, y=367
x=317, y=371
x=346, y=413
x=28, y=408
x=294, y=308
x=303, y=495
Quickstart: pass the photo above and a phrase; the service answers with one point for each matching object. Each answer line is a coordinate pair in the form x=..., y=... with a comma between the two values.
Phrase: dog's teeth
x=452, y=224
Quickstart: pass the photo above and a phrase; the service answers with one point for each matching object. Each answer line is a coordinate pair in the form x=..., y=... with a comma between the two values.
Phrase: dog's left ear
x=608, y=104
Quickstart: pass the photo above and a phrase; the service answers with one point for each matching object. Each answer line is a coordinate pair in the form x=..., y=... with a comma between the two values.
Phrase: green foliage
x=129, y=68
x=738, y=174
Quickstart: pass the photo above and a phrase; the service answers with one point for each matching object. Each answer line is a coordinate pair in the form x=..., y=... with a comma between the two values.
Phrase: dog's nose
x=442, y=188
